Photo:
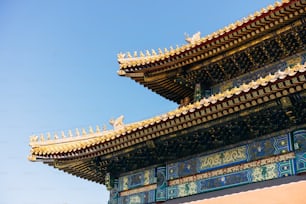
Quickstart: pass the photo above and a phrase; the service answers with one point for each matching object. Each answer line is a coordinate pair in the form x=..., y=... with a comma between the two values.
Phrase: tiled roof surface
x=46, y=146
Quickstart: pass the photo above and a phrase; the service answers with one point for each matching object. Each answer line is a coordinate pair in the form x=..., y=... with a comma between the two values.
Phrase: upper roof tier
x=262, y=38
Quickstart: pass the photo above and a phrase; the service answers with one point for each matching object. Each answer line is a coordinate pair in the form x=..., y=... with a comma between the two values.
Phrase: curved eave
x=256, y=92
x=80, y=169
x=167, y=88
x=158, y=73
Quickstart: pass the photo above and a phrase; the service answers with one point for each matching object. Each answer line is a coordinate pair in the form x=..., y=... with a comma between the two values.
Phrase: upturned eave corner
x=121, y=72
x=32, y=158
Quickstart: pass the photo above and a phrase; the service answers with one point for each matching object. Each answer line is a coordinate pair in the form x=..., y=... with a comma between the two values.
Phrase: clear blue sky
x=58, y=63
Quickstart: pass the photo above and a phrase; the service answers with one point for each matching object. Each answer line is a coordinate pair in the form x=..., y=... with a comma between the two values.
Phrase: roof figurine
x=194, y=38
x=117, y=123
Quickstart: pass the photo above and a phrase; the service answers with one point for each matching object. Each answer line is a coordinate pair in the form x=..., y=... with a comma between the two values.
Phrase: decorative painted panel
x=253, y=151
x=187, y=167
x=299, y=138
x=187, y=189
x=139, y=198
x=161, y=184
x=181, y=169
x=265, y=172
x=109, y=181
x=249, y=175
x=222, y=181
x=114, y=194
x=260, y=149
x=282, y=144
x=301, y=162
x=172, y=171
x=113, y=197
x=138, y=179
x=172, y=192
x=269, y=147
x=182, y=190
x=222, y=159
x=286, y=168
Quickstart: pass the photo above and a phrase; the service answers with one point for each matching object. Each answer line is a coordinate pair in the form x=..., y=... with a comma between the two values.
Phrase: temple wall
x=254, y=161
x=294, y=194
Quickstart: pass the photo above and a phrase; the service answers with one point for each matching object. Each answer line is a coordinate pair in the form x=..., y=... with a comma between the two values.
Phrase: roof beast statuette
x=117, y=123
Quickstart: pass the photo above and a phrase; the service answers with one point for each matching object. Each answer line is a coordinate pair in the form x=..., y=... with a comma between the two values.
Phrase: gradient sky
x=58, y=63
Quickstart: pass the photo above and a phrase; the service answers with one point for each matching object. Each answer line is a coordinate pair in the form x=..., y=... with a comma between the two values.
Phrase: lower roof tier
x=243, y=113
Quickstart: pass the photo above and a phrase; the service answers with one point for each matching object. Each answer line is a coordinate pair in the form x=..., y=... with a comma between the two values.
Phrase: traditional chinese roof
x=260, y=64
x=91, y=154
x=264, y=37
